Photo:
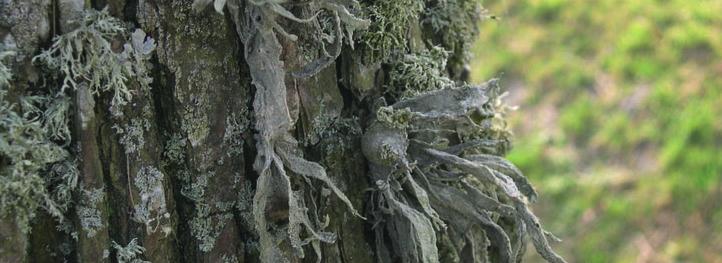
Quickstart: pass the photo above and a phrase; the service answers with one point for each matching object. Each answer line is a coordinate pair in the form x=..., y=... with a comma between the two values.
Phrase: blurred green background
x=619, y=122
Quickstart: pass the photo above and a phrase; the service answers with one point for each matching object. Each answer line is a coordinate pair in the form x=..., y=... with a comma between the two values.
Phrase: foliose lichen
x=151, y=208
x=88, y=211
x=175, y=148
x=131, y=135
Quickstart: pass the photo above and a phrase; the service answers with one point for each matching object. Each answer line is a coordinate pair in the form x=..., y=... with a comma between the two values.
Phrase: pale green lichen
x=151, y=208
x=130, y=253
x=26, y=152
x=337, y=138
x=417, y=73
x=86, y=55
x=245, y=202
x=318, y=124
x=388, y=32
x=206, y=226
x=229, y=259
x=195, y=188
x=88, y=211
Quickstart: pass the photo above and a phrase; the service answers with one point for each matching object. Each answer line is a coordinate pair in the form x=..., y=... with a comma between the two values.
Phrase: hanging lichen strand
x=441, y=185
x=277, y=150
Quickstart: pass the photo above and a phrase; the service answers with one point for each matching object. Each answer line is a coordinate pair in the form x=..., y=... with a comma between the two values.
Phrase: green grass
x=629, y=165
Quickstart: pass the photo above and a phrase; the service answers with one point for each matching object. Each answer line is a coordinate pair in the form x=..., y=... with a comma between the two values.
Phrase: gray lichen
x=454, y=183
x=257, y=24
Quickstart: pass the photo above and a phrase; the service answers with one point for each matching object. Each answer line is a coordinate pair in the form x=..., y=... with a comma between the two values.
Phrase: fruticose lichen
x=389, y=29
x=130, y=253
x=36, y=170
x=432, y=180
x=416, y=73
x=85, y=56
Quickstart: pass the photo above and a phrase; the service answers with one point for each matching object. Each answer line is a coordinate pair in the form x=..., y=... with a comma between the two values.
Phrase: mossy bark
x=194, y=132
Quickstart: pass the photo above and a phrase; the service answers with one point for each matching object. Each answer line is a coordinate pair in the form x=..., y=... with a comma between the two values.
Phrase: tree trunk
x=261, y=132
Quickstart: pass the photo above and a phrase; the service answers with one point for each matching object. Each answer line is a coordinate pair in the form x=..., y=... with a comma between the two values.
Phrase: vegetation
x=619, y=121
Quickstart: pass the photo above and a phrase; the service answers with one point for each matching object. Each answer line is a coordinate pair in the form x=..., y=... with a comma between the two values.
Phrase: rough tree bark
x=263, y=131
